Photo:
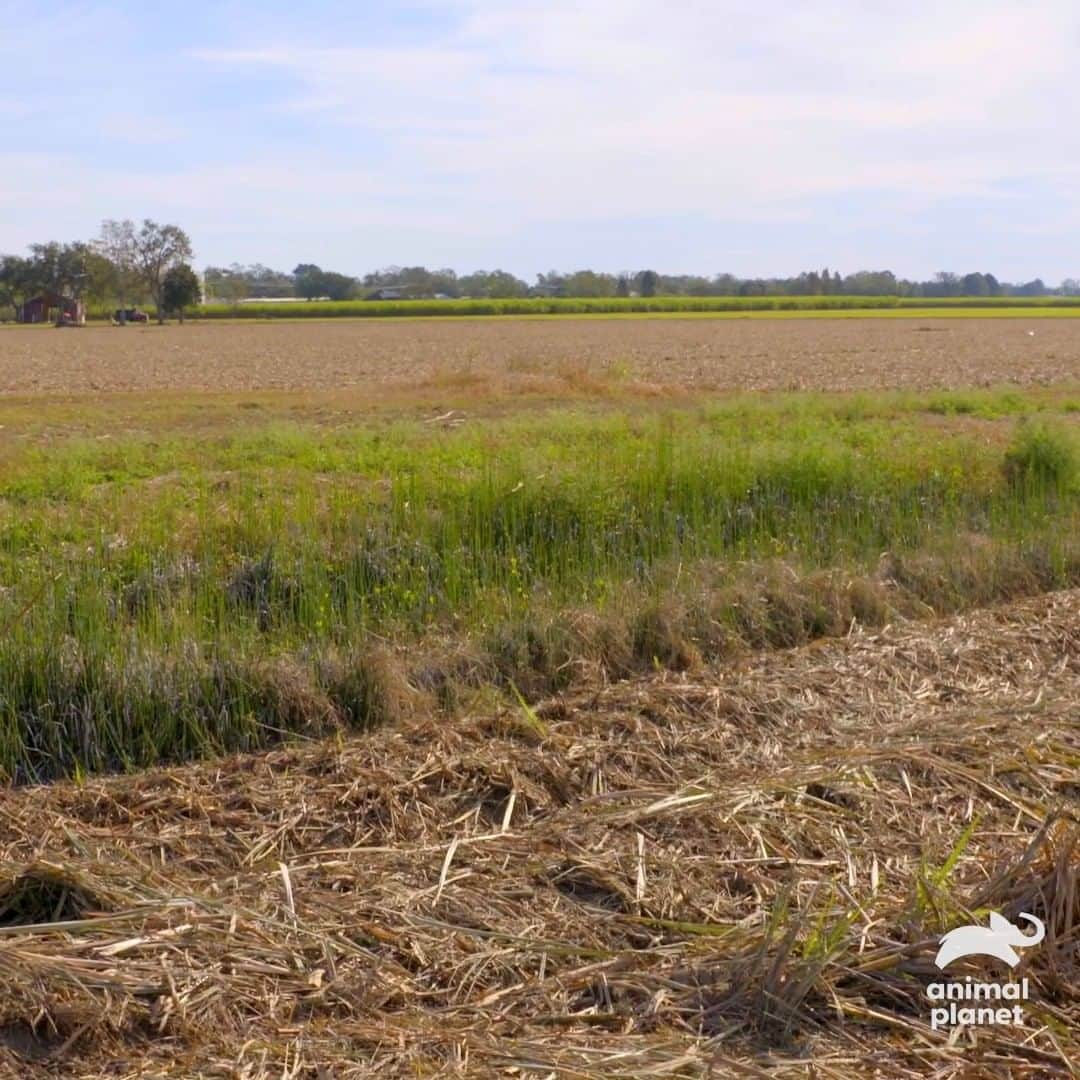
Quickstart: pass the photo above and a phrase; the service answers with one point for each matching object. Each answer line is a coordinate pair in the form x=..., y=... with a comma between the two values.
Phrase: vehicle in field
x=126, y=315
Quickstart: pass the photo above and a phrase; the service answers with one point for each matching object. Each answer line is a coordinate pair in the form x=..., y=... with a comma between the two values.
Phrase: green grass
x=168, y=596
x=681, y=306
x=534, y=306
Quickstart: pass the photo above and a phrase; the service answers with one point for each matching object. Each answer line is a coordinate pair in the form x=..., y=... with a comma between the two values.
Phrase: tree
x=116, y=243
x=338, y=286
x=17, y=280
x=945, y=283
x=417, y=281
x=975, y=285
x=1031, y=288
x=308, y=279
x=590, y=283
x=497, y=284
x=64, y=269
x=158, y=248
x=551, y=284
x=230, y=284
x=180, y=289
x=870, y=283
x=312, y=282
x=60, y=268
x=501, y=284
x=261, y=281
x=649, y=280
x=101, y=282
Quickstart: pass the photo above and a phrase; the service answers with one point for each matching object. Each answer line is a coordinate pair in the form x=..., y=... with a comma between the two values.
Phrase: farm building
x=51, y=307
x=390, y=292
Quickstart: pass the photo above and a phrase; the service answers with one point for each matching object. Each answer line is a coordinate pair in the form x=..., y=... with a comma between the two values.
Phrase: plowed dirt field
x=691, y=354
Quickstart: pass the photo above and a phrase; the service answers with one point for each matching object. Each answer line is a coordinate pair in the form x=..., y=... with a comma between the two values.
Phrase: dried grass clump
x=724, y=613
x=369, y=687
x=45, y=893
x=285, y=694
x=659, y=636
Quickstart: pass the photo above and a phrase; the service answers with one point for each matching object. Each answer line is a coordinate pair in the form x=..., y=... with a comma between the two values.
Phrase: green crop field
x=168, y=596
x=718, y=306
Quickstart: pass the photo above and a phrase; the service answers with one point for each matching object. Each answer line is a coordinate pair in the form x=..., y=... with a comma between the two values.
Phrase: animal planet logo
x=999, y=940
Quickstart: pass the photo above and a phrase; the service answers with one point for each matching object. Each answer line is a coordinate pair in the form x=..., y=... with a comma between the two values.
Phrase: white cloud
x=702, y=105
x=507, y=119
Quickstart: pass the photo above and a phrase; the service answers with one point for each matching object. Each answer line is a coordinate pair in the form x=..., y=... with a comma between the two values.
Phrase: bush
x=1040, y=456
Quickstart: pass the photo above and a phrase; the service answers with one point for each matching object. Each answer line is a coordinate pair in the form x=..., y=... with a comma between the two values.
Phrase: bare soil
x=743, y=873
x=667, y=354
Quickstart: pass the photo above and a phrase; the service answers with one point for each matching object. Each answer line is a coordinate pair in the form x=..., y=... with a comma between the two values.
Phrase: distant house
x=52, y=307
x=390, y=292
x=548, y=290
x=280, y=299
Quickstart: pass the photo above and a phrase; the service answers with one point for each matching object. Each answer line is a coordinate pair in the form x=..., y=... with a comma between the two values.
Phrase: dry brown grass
x=737, y=875
x=372, y=359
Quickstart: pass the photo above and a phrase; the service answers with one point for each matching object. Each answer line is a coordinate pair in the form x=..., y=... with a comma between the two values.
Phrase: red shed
x=52, y=307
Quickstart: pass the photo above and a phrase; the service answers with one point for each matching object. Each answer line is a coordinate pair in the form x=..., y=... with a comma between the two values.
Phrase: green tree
x=61, y=268
x=338, y=286
x=17, y=280
x=1031, y=288
x=503, y=285
x=649, y=280
x=590, y=283
x=116, y=244
x=496, y=284
x=158, y=248
x=232, y=284
x=180, y=289
x=101, y=284
x=312, y=282
x=975, y=285
x=307, y=278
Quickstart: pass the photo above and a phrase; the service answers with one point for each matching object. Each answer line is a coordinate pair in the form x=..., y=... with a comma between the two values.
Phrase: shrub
x=1040, y=456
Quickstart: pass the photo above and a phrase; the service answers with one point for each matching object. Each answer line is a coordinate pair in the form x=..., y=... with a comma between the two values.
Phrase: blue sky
x=695, y=136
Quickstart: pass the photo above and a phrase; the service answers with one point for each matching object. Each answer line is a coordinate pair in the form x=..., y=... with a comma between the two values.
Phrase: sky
x=695, y=136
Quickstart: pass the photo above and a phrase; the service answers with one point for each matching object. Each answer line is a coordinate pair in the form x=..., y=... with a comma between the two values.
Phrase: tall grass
x=164, y=598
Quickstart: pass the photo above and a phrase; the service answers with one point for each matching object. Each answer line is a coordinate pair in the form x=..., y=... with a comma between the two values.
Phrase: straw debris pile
x=741, y=871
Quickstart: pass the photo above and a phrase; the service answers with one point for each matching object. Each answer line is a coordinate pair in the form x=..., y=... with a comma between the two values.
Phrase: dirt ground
x=582, y=891
x=688, y=354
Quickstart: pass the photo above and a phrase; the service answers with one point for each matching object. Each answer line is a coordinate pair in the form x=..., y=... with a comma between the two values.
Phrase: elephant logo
x=996, y=940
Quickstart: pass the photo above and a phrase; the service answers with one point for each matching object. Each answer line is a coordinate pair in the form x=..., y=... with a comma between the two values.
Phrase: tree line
x=125, y=263
x=310, y=282
x=129, y=264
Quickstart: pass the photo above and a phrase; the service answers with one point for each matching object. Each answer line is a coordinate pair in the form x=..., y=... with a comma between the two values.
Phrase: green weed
x=166, y=597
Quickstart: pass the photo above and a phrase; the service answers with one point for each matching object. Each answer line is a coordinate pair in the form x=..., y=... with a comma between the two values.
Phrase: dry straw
x=733, y=876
